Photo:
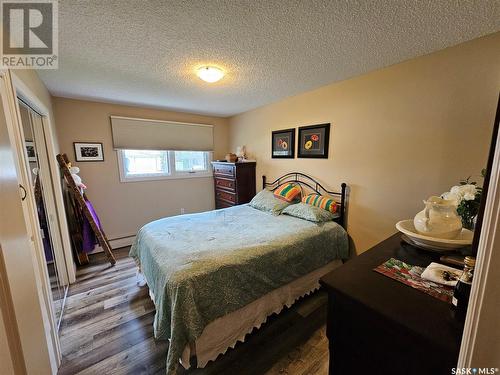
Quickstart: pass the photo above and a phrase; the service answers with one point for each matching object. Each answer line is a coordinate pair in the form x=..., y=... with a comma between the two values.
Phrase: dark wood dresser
x=378, y=325
x=234, y=183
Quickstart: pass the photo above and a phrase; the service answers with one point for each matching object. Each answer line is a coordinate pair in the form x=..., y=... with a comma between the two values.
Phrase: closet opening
x=38, y=170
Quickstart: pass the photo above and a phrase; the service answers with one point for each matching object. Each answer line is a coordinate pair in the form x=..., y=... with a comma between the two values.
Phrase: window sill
x=160, y=178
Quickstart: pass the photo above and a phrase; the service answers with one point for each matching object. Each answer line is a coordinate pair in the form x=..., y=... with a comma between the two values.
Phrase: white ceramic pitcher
x=439, y=219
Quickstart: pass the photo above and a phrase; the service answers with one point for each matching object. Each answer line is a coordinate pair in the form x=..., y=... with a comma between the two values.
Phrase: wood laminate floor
x=107, y=328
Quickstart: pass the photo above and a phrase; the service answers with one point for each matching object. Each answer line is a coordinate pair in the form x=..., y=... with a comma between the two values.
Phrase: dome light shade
x=210, y=73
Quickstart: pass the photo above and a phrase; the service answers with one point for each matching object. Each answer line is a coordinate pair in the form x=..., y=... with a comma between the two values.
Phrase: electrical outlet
x=183, y=211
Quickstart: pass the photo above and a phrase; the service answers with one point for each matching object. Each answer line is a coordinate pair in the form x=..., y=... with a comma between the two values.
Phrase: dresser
x=378, y=325
x=234, y=183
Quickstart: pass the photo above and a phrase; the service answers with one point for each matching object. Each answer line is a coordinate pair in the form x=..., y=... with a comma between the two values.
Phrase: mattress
x=201, y=267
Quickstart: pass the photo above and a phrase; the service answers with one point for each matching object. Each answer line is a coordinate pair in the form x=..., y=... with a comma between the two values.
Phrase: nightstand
x=380, y=326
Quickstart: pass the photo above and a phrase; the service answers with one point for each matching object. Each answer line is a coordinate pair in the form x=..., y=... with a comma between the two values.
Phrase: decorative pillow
x=320, y=201
x=266, y=201
x=308, y=212
x=288, y=192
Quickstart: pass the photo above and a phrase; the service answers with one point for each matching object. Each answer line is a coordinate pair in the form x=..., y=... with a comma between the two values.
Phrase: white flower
x=454, y=197
x=469, y=190
x=460, y=193
x=469, y=197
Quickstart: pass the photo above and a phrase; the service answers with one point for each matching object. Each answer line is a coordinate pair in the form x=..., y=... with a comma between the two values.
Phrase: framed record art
x=90, y=151
x=30, y=151
x=313, y=141
x=283, y=144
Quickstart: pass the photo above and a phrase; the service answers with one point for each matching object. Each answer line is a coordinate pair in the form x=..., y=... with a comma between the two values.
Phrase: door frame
x=14, y=128
x=481, y=336
x=26, y=94
x=9, y=325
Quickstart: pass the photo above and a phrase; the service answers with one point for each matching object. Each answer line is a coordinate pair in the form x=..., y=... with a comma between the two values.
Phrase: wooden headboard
x=314, y=186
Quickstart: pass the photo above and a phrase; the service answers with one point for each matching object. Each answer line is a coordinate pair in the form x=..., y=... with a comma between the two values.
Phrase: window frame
x=207, y=155
x=172, y=175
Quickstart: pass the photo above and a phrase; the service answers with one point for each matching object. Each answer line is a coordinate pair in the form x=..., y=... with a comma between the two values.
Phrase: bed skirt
x=223, y=333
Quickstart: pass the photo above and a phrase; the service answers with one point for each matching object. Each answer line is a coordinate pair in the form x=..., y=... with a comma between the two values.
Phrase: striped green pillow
x=321, y=201
x=288, y=192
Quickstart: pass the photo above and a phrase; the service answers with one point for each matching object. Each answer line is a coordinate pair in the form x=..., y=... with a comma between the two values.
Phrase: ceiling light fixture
x=210, y=74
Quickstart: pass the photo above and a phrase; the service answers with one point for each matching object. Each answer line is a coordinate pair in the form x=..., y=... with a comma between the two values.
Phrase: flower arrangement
x=467, y=197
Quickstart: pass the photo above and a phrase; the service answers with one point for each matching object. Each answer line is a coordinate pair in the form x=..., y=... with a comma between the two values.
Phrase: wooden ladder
x=80, y=198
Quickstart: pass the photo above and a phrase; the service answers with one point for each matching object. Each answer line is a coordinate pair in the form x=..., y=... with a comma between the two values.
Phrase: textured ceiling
x=144, y=52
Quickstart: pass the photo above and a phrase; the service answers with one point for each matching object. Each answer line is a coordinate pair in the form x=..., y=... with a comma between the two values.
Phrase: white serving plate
x=462, y=240
x=425, y=246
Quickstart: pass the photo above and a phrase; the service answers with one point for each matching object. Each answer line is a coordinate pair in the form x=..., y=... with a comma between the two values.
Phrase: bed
x=215, y=276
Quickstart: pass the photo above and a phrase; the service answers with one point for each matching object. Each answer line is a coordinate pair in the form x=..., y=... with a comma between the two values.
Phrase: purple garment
x=89, y=238
x=47, y=249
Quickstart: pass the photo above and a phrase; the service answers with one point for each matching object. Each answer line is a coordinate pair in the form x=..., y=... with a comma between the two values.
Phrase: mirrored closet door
x=37, y=167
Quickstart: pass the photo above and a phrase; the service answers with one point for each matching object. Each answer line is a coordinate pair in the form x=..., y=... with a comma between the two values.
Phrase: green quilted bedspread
x=203, y=266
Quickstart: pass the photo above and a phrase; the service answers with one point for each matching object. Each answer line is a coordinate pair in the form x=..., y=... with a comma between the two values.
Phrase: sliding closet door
x=37, y=168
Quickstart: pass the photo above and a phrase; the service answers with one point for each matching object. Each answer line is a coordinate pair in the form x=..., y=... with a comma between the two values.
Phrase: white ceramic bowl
x=462, y=240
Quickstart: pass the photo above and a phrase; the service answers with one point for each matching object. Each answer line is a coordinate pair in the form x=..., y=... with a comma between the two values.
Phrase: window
x=191, y=161
x=143, y=165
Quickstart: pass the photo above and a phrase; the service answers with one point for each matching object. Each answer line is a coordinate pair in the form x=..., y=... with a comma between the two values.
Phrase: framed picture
x=313, y=141
x=30, y=150
x=283, y=144
x=91, y=151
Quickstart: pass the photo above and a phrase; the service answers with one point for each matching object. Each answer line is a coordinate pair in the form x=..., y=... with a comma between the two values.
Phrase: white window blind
x=140, y=134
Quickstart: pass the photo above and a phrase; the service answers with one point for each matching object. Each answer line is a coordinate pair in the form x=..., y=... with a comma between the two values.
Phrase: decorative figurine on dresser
x=234, y=183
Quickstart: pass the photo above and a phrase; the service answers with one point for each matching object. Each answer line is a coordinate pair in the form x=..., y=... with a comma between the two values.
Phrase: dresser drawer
x=224, y=170
x=226, y=184
x=225, y=196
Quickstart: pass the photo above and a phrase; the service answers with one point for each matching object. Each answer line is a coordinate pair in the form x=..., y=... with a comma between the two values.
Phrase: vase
x=438, y=219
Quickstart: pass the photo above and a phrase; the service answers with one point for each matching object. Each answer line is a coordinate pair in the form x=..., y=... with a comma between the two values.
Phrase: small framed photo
x=283, y=144
x=30, y=151
x=90, y=151
x=313, y=141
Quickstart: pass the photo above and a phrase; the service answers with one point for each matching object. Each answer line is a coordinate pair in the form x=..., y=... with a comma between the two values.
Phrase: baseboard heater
x=116, y=243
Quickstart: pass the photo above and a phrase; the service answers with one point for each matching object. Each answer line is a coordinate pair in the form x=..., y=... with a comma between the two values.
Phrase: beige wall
x=398, y=135
x=124, y=207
